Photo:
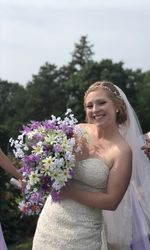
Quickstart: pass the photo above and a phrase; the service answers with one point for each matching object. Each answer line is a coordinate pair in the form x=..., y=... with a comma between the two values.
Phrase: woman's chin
x=99, y=124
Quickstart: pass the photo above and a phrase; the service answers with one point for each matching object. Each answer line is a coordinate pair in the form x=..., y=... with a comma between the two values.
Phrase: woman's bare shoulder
x=124, y=149
x=81, y=125
x=84, y=125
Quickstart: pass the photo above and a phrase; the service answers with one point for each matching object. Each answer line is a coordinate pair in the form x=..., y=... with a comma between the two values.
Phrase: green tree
x=143, y=104
x=82, y=54
x=12, y=105
x=4, y=138
x=46, y=94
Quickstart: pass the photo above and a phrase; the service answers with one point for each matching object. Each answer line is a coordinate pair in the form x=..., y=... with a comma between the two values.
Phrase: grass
x=22, y=246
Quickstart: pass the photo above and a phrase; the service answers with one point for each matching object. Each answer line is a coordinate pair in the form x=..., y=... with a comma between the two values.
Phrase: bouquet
x=46, y=151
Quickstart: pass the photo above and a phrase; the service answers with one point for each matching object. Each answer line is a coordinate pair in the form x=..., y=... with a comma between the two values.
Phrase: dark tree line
x=52, y=91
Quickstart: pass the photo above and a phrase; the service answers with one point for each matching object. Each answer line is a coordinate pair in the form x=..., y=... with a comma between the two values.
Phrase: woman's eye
x=102, y=103
x=89, y=106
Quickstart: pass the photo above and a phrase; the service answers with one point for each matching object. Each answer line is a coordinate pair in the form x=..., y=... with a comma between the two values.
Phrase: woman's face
x=100, y=109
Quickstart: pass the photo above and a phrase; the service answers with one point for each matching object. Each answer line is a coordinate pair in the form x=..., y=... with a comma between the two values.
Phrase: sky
x=33, y=32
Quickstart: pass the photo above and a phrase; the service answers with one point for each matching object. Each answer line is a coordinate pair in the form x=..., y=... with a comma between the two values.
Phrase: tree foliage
x=143, y=102
x=12, y=105
x=82, y=53
x=46, y=94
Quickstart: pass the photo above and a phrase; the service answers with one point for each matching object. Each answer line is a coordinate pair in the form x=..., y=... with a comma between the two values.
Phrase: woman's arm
x=118, y=182
x=6, y=164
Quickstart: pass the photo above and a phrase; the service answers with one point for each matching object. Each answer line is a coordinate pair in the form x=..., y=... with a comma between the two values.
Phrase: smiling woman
x=101, y=180
x=95, y=210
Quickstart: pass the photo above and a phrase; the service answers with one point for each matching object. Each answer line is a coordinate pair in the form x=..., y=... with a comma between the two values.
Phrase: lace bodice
x=92, y=174
x=70, y=225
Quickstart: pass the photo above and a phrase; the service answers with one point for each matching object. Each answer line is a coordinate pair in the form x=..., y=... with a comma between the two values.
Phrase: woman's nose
x=95, y=108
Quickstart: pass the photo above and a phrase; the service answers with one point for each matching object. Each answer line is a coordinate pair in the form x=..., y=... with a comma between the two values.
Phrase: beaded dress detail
x=69, y=225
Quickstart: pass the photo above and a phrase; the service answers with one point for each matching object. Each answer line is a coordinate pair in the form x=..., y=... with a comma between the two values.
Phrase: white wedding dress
x=68, y=225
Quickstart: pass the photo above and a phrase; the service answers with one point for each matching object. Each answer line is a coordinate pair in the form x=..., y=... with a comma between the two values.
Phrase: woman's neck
x=106, y=132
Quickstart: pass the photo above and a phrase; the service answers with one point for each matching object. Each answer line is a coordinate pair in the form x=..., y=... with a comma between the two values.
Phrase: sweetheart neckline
x=94, y=158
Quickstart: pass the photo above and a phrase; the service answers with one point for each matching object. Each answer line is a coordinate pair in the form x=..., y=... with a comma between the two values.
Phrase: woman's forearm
x=98, y=200
x=6, y=164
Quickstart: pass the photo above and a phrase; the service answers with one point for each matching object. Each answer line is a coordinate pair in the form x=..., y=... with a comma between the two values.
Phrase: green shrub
x=22, y=246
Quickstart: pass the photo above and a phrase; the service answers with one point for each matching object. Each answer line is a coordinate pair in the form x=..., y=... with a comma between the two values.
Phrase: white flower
x=59, y=162
x=53, y=118
x=18, y=153
x=69, y=156
x=71, y=143
x=11, y=140
x=35, y=190
x=54, y=174
x=26, y=148
x=38, y=149
x=20, y=137
x=31, y=134
x=56, y=185
x=34, y=178
x=68, y=111
x=49, y=161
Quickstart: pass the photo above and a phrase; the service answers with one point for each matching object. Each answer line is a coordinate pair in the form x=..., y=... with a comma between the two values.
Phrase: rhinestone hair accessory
x=102, y=85
x=117, y=95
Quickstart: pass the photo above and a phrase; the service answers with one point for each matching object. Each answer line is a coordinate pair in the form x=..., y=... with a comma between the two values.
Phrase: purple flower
x=35, y=125
x=47, y=149
x=58, y=148
x=55, y=196
x=31, y=159
x=26, y=129
x=49, y=125
x=64, y=126
x=26, y=170
x=70, y=132
x=72, y=172
x=39, y=137
x=35, y=197
x=46, y=183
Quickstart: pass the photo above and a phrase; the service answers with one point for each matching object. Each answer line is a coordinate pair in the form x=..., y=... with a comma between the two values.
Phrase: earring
x=117, y=110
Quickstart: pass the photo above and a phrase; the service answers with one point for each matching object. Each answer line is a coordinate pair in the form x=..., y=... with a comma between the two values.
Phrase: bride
x=96, y=211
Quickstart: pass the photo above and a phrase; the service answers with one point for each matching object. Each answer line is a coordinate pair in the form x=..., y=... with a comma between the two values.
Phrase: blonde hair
x=113, y=93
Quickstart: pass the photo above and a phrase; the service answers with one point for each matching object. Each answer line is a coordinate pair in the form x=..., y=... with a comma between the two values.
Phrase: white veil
x=129, y=224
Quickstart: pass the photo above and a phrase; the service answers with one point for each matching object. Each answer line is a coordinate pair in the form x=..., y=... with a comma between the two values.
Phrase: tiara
x=117, y=94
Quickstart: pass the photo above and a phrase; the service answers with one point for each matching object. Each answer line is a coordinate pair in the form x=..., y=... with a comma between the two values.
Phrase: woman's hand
x=146, y=148
x=19, y=183
x=23, y=184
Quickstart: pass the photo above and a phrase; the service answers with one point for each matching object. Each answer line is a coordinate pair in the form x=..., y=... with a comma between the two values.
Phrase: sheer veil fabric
x=2, y=240
x=129, y=224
